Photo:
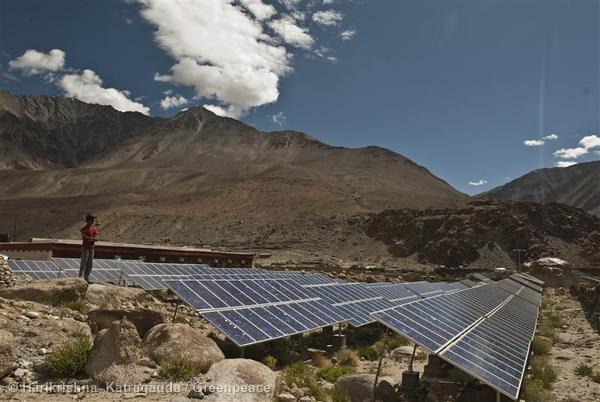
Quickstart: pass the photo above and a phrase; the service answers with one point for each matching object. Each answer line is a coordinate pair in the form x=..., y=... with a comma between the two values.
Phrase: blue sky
x=457, y=86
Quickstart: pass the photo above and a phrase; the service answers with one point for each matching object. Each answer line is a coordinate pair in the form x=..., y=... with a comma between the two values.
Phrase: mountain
x=577, y=185
x=195, y=178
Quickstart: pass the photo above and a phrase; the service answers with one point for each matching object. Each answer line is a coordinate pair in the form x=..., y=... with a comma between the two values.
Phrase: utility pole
x=519, y=251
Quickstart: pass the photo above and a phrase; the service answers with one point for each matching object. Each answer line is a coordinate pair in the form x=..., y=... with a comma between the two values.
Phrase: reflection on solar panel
x=426, y=289
x=524, y=281
x=256, y=310
x=394, y=292
x=486, y=330
x=63, y=268
x=355, y=301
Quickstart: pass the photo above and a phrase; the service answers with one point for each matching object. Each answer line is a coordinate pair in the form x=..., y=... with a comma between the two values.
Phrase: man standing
x=88, y=235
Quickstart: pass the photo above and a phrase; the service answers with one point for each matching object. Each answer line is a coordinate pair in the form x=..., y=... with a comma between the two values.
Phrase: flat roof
x=70, y=242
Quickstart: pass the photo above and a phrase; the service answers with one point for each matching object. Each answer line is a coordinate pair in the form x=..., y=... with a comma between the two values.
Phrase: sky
x=479, y=92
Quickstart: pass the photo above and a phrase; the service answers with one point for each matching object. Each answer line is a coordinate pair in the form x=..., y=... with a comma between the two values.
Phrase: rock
x=359, y=387
x=286, y=397
x=564, y=354
x=386, y=390
x=50, y=291
x=297, y=392
x=7, y=381
x=32, y=314
x=232, y=372
x=195, y=394
x=142, y=319
x=112, y=296
x=116, y=352
x=7, y=353
x=305, y=399
x=174, y=341
x=20, y=373
x=400, y=352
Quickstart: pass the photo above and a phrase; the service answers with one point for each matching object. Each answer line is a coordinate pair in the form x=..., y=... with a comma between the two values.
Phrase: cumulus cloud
x=479, y=182
x=541, y=141
x=230, y=111
x=34, y=62
x=169, y=102
x=259, y=9
x=564, y=164
x=220, y=51
x=87, y=87
x=278, y=118
x=327, y=17
x=586, y=144
x=347, y=34
x=291, y=33
x=534, y=143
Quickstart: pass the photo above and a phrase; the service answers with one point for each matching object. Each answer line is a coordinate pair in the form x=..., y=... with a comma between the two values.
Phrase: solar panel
x=63, y=268
x=394, y=291
x=469, y=283
x=493, y=355
x=531, y=278
x=425, y=289
x=523, y=281
x=481, y=277
x=355, y=301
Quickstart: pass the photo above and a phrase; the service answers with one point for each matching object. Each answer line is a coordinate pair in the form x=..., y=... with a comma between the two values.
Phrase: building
x=40, y=249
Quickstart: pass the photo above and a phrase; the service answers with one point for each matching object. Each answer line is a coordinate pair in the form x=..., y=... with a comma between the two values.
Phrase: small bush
x=270, y=362
x=553, y=320
x=321, y=361
x=389, y=342
x=541, y=346
x=181, y=368
x=69, y=359
x=534, y=391
x=542, y=370
x=421, y=355
x=347, y=357
x=304, y=376
x=78, y=305
x=584, y=370
x=332, y=373
x=368, y=353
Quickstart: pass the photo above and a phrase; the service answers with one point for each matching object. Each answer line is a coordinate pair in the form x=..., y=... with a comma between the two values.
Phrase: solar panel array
x=486, y=330
x=65, y=268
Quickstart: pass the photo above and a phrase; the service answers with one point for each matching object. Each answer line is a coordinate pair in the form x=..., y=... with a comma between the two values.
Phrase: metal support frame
x=175, y=312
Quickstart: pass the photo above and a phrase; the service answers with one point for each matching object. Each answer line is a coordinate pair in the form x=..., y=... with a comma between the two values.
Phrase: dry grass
x=347, y=357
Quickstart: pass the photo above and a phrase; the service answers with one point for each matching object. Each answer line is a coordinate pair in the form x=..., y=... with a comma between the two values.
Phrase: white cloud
x=278, y=118
x=291, y=4
x=332, y=59
x=534, y=143
x=162, y=78
x=291, y=33
x=259, y=9
x=168, y=92
x=87, y=87
x=347, y=34
x=327, y=17
x=34, y=62
x=169, y=102
x=564, y=164
x=590, y=141
x=541, y=141
x=479, y=182
x=230, y=111
x=571, y=153
x=328, y=1
x=220, y=51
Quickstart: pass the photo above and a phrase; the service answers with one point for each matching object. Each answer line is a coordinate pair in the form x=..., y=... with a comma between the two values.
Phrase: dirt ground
x=578, y=343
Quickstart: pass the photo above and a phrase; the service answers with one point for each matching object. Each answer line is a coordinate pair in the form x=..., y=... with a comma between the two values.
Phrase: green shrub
x=541, y=346
x=584, y=370
x=69, y=359
x=389, y=342
x=347, y=357
x=368, y=353
x=181, y=368
x=330, y=374
x=77, y=305
x=270, y=362
x=534, y=391
x=542, y=370
x=304, y=376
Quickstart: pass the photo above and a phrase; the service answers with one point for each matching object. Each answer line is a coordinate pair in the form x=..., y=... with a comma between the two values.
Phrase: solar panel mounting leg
x=175, y=312
x=378, y=371
x=412, y=358
x=497, y=396
x=242, y=352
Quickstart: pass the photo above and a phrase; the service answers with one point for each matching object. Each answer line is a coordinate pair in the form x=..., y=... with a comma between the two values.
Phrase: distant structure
x=42, y=249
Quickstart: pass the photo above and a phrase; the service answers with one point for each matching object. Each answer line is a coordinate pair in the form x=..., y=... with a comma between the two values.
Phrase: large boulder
x=176, y=341
x=111, y=296
x=8, y=359
x=142, y=319
x=244, y=372
x=359, y=387
x=116, y=353
x=51, y=291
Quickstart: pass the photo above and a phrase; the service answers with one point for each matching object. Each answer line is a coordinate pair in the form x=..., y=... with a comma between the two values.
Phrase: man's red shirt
x=90, y=231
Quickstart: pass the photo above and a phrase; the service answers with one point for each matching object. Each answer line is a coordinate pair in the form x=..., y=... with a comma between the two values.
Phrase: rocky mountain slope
x=486, y=233
x=196, y=178
x=577, y=185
